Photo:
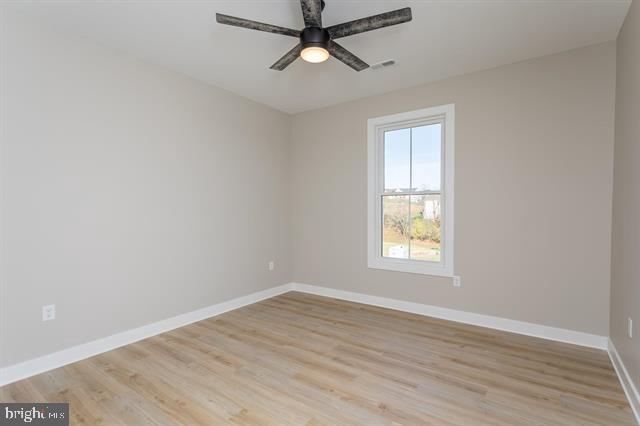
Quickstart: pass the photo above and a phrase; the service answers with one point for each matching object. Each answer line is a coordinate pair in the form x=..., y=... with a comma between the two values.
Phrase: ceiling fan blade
x=312, y=12
x=371, y=23
x=287, y=59
x=347, y=57
x=254, y=25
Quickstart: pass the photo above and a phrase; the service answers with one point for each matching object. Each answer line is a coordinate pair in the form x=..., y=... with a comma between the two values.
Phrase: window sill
x=412, y=267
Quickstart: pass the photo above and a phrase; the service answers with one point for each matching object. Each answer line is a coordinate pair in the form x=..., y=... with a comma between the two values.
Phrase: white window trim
x=375, y=126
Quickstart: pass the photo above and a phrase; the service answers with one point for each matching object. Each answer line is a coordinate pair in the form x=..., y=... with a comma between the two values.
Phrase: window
x=410, y=178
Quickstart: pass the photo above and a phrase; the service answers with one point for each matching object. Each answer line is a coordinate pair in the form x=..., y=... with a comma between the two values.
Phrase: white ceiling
x=445, y=38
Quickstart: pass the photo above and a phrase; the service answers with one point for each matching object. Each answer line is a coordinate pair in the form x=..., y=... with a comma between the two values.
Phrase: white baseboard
x=44, y=363
x=31, y=367
x=625, y=380
x=504, y=324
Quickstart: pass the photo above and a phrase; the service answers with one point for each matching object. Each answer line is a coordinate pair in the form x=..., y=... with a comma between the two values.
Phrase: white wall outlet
x=630, y=328
x=272, y=266
x=48, y=312
x=457, y=282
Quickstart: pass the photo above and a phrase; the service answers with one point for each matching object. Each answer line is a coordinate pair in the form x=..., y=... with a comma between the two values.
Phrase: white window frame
x=376, y=127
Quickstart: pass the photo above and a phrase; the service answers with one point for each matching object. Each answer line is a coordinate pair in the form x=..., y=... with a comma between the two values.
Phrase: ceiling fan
x=317, y=42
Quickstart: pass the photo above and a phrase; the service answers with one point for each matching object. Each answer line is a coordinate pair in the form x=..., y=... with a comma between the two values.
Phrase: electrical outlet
x=271, y=266
x=630, y=328
x=48, y=312
x=457, y=282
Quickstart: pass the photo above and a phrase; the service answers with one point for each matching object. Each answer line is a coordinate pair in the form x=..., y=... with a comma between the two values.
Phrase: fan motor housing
x=315, y=37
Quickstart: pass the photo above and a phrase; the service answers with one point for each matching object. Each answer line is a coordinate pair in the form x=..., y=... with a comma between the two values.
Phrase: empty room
x=308, y=212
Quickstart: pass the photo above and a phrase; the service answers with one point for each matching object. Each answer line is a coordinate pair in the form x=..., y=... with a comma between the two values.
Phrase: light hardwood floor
x=302, y=359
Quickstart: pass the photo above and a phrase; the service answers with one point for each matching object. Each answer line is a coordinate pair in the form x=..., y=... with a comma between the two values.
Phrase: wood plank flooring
x=303, y=359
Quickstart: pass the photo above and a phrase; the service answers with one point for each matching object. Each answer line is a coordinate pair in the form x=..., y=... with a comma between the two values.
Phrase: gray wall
x=625, y=267
x=130, y=194
x=534, y=154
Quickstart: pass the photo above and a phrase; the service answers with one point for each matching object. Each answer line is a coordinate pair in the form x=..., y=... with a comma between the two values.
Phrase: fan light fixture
x=315, y=44
x=314, y=54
